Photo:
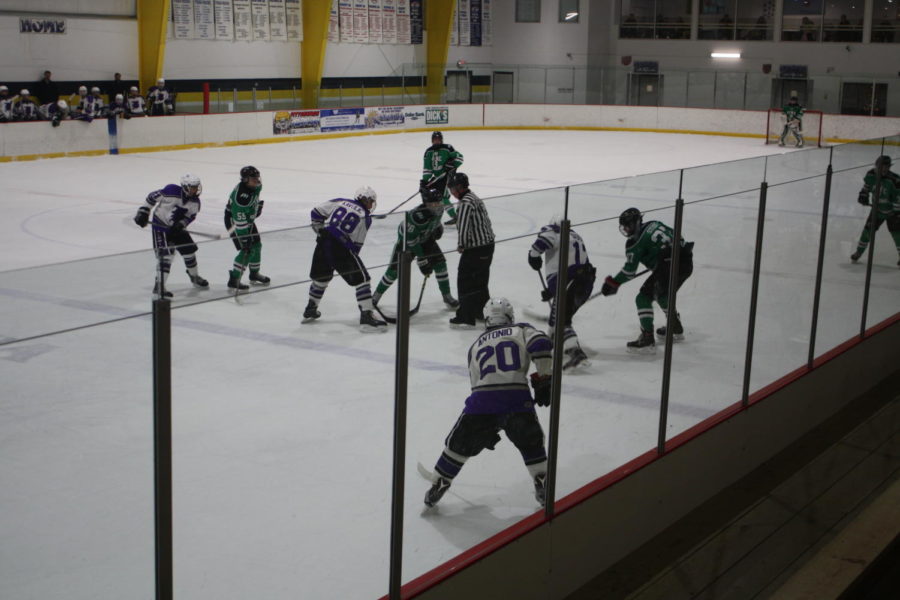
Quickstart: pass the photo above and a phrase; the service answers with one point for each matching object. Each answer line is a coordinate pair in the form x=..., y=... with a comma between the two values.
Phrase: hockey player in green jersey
x=241, y=212
x=440, y=161
x=421, y=229
x=885, y=208
x=793, y=121
x=650, y=244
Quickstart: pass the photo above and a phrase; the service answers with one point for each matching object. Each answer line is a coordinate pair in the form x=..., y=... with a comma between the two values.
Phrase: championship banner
x=487, y=33
x=416, y=22
x=334, y=23
x=224, y=17
x=361, y=21
x=341, y=119
x=204, y=25
x=290, y=122
x=345, y=9
x=454, y=26
x=384, y=117
x=293, y=14
x=182, y=19
x=260, y=20
x=403, y=35
x=464, y=27
x=475, y=20
x=375, y=22
x=389, y=21
x=277, y=21
x=243, y=21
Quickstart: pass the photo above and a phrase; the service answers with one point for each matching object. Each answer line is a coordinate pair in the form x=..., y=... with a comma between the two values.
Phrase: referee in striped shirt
x=476, y=245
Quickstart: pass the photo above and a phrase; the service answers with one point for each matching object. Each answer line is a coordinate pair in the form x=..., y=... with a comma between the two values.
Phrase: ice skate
x=369, y=324
x=458, y=323
x=257, y=277
x=437, y=491
x=166, y=294
x=644, y=344
x=311, y=313
x=540, y=488
x=198, y=281
x=856, y=256
x=450, y=301
x=234, y=283
x=677, y=331
x=575, y=357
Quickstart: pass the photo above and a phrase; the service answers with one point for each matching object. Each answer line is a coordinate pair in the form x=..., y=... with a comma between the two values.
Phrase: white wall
x=120, y=8
x=199, y=59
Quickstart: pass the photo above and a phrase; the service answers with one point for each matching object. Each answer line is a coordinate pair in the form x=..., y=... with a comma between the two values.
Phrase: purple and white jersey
x=172, y=206
x=498, y=368
x=346, y=220
x=116, y=108
x=25, y=110
x=547, y=243
x=159, y=96
x=6, y=108
x=90, y=106
x=134, y=105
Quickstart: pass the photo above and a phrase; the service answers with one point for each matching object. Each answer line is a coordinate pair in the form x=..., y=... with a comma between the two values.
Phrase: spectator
x=726, y=28
x=117, y=87
x=46, y=90
x=24, y=107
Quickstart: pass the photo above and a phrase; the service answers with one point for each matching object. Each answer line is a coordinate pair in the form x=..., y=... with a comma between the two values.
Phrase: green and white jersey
x=440, y=158
x=420, y=224
x=645, y=248
x=243, y=205
x=888, y=201
x=792, y=112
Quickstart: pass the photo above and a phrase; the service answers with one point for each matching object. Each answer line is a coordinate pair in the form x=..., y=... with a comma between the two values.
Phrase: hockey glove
x=546, y=294
x=438, y=233
x=246, y=242
x=424, y=266
x=610, y=286
x=259, y=209
x=176, y=227
x=142, y=217
x=863, y=197
x=541, y=385
x=536, y=262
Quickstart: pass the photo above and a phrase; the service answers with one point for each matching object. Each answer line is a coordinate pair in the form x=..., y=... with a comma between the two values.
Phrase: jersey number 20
x=506, y=355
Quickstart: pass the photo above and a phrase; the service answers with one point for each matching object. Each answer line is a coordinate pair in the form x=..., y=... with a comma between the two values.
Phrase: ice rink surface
x=283, y=431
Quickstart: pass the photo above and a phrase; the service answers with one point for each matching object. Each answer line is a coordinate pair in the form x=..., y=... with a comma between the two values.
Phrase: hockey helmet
x=3, y=88
x=432, y=195
x=133, y=90
x=82, y=90
x=437, y=135
x=459, y=180
x=24, y=93
x=190, y=184
x=95, y=90
x=248, y=172
x=120, y=98
x=160, y=82
x=62, y=105
x=883, y=161
x=498, y=312
x=630, y=222
x=367, y=196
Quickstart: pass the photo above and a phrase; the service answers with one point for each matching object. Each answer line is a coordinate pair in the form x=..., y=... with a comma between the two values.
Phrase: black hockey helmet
x=630, y=222
x=249, y=171
x=459, y=180
x=883, y=161
x=432, y=194
x=437, y=135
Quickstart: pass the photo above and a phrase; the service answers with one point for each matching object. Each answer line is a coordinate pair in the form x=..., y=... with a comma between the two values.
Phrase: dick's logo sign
x=437, y=115
x=27, y=25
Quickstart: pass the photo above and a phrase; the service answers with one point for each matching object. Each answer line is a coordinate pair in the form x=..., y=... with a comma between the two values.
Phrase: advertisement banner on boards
x=341, y=119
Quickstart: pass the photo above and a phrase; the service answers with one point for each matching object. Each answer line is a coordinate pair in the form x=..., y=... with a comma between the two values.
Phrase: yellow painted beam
x=316, y=14
x=152, y=18
x=438, y=21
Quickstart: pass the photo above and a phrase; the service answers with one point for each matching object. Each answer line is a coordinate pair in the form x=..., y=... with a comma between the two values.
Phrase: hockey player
x=134, y=105
x=117, y=107
x=159, y=99
x=6, y=105
x=176, y=207
x=885, y=208
x=91, y=105
x=581, y=277
x=241, y=212
x=77, y=101
x=24, y=107
x=441, y=160
x=341, y=226
x=793, y=121
x=650, y=244
x=499, y=361
x=421, y=229
x=54, y=112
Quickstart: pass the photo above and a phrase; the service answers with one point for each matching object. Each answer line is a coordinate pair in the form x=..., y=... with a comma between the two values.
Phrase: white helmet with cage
x=367, y=196
x=498, y=312
x=190, y=184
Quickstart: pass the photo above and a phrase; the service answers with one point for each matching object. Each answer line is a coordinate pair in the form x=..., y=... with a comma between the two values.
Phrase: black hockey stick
x=543, y=284
x=636, y=275
x=412, y=311
x=390, y=212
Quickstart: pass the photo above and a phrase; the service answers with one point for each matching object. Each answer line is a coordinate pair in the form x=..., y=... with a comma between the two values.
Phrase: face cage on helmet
x=185, y=188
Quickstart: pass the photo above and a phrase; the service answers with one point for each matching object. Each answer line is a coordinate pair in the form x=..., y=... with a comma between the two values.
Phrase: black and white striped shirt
x=473, y=222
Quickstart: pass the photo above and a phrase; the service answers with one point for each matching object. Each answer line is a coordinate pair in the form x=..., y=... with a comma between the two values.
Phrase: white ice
x=283, y=431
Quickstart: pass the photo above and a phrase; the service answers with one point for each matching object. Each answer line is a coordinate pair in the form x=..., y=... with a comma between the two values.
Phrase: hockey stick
x=425, y=473
x=385, y=215
x=636, y=275
x=393, y=320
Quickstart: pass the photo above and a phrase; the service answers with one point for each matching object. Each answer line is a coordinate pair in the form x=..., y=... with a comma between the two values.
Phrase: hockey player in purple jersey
x=134, y=104
x=499, y=361
x=176, y=207
x=54, y=112
x=25, y=108
x=159, y=99
x=341, y=226
x=6, y=105
x=116, y=107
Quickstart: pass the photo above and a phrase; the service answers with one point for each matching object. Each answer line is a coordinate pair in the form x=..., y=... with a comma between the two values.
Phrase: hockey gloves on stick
x=259, y=209
x=546, y=295
x=424, y=266
x=142, y=217
x=541, y=385
x=610, y=286
x=535, y=262
x=176, y=227
x=863, y=197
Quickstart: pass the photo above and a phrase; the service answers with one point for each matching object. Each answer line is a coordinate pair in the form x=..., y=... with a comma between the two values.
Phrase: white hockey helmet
x=189, y=181
x=3, y=88
x=160, y=81
x=498, y=312
x=62, y=105
x=367, y=196
x=24, y=93
x=133, y=90
x=82, y=90
x=120, y=98
x=95, y=90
